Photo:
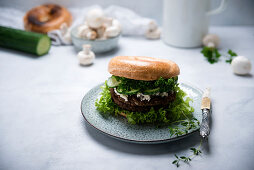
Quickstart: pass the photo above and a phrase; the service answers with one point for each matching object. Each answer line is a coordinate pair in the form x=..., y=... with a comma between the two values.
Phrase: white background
x=239, y=12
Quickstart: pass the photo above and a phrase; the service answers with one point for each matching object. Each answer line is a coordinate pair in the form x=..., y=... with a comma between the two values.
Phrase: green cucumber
x=133, y=91
x=30, y=42
x=151, y=91
x=112, y=82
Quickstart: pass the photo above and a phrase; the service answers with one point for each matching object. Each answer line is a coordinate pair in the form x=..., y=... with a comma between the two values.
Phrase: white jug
x=186, y=22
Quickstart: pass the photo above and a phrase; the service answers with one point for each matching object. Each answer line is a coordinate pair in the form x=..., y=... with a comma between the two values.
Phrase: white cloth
x=131, y=23
x=57, y=38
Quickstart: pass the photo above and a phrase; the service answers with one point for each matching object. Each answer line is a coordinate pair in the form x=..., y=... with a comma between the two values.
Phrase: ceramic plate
x=118, y=128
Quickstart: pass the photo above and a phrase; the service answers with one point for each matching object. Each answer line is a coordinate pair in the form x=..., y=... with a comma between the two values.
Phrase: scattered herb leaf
x=212, y=55
x=196, y=151
x=230, y=56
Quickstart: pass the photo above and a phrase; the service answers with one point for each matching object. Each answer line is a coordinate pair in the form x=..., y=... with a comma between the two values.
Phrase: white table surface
x=41, y=126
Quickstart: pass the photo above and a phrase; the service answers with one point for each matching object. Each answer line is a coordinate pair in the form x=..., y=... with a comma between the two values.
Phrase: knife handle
x=204, y=126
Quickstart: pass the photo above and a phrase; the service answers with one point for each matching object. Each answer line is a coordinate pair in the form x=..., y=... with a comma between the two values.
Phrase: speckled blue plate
x=118, y=128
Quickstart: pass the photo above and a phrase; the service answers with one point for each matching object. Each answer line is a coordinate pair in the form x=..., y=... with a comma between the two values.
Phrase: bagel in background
x=47, y=17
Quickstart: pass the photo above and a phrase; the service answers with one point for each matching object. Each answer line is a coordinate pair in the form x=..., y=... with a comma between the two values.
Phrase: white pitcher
x=186, y=22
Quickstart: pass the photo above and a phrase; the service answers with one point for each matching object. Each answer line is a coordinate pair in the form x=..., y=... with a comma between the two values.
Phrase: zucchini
x=151, y=91
x=30, y=42
x=112, y=82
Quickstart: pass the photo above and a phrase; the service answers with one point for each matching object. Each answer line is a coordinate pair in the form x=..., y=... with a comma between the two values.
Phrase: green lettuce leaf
x=178, y=110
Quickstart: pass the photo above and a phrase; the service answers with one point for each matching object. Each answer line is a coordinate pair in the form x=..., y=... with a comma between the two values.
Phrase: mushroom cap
x=95, y=18
x=241, y=65
x=155, y=34
x=86, y=58
x=116, y=23
x=211, y=40
x=112, y=31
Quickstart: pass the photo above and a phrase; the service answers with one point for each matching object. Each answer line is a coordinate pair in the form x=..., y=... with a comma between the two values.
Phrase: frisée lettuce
x=178, y=110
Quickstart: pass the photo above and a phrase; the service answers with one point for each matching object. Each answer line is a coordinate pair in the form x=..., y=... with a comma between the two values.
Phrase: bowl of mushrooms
x=101, y=32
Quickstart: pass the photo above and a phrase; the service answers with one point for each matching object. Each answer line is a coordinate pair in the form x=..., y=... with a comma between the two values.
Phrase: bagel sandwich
x=142, y=89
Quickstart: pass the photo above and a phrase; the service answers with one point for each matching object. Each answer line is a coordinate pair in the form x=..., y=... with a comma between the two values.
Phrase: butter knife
x=205, y=107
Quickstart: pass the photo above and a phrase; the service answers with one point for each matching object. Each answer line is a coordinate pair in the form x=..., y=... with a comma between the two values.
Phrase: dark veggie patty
x=135, y=104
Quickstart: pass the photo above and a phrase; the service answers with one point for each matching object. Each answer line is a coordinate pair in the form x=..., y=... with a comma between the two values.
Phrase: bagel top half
x=47, y=17
x=142, y=68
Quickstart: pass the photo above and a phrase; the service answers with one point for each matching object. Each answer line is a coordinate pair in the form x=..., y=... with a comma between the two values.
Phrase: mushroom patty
x=135, y=104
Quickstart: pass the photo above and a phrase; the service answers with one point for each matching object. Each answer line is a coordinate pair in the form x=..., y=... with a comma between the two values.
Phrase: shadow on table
x=249, y=75
x=143, y=149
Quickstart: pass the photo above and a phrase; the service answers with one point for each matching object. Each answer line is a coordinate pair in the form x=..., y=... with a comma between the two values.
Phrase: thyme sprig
x=187, y=125
x=187, y=159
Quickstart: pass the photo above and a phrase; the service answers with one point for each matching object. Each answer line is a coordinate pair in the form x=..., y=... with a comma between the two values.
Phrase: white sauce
x=164, y=94
x=144, y=97
x=157, y=94
x=148, y=97
x=123, y=96
x=141, y=96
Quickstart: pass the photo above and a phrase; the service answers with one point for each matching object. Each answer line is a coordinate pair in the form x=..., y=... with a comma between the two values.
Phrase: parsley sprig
x=230, y=56
x=213, y=55
x=187, y=159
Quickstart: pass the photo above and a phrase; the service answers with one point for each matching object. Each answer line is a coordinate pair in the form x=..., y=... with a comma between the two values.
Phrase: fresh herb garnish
x=212, y=55
x=187, y=159
x=165, y=85
x=186, y=126
x=230, y=56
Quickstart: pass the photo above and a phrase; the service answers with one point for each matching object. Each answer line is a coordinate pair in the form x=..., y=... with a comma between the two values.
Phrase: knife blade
x=205, y=107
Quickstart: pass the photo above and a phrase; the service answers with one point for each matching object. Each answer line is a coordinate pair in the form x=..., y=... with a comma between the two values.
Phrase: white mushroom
x=95, y=17
x=152, y=26
x=91, y=35
x=107, y=21
x=241, y=65
x=65, y=31
x=85, y=32
x=86, y=57
x=81, y=29
x=117, y=24
x=211, y=40
x=155, y=34
x=100, y=32
x=111, y=31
